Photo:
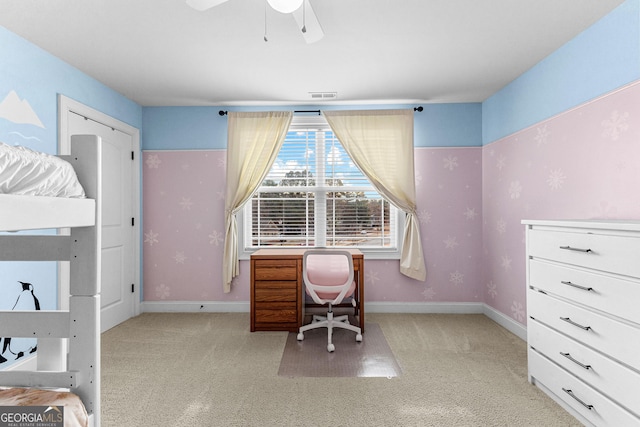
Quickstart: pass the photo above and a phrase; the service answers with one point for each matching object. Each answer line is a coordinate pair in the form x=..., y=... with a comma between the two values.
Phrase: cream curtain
x=253, y=142
x=380, y=142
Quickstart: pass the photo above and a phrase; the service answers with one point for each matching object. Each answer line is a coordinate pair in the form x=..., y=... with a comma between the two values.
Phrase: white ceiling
x=164, y=53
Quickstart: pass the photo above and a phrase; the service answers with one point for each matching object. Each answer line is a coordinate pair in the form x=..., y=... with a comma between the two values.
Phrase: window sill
x=384, y=254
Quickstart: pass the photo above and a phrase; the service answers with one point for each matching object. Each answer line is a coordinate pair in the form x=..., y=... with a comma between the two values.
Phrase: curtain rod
x=224, y=113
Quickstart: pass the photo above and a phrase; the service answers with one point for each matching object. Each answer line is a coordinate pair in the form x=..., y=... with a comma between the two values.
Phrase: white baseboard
x=424, y=307
x=450, y=308
x=373, y=307
x=194, y=307
x=516, y=328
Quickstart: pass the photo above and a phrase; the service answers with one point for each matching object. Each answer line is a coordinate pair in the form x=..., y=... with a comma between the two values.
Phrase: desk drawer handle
x=584, y=288
x=568, y=356
x=568, y=320
x=569, y=248
x=570, y=393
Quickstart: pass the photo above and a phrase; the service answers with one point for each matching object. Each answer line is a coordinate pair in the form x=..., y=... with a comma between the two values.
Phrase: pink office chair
x=328, y=278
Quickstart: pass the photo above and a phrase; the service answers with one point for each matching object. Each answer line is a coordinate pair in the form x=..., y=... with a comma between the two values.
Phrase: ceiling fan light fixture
x=285, y=6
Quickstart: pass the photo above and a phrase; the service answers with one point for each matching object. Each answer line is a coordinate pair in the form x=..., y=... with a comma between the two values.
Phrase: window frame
x=243, y=217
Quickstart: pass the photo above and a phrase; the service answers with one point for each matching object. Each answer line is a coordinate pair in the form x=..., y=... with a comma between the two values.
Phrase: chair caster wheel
x=359, y=337
x=300, y=336
x=330, y=348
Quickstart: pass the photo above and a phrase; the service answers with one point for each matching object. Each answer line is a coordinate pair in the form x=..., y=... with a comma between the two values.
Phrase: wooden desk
x=277, y=289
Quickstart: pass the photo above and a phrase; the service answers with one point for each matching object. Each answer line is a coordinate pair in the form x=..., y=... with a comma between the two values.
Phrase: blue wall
x=37, y=77
x=449, y=125
x=183, y=128
x=193, y=128
x=604, y=57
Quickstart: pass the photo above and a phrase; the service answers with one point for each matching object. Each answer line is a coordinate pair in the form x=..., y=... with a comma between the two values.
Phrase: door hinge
x=133, y=222
x=132, y=155
x=133, y=287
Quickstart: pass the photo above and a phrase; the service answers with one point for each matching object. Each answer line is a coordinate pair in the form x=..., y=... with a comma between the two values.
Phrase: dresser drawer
x=614, y=295
x=583, y=399
x=616, y=254
x=620, y=340
x=275, y=269
x=602, y=373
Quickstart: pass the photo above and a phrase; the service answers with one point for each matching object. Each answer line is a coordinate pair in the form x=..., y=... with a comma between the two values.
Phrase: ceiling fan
x=300, y=9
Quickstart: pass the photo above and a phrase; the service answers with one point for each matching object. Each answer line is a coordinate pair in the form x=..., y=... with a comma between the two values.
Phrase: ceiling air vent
x=323, y=95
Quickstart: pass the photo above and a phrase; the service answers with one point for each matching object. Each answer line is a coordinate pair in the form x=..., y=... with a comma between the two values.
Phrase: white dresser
x=583, y=330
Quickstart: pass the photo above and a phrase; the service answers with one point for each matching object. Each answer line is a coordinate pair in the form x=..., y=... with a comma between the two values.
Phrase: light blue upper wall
x=194, y=128
x=37, y=77
x=449, y=125
x=183, y=128
x=30, y=81
x=600, y=59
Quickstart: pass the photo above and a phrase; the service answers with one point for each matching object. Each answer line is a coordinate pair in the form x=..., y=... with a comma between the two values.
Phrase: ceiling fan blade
x=308, y=23
x=204, y=4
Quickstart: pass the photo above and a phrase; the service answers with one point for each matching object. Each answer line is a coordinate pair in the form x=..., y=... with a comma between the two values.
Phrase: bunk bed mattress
x=38, y=190
x=29, y=173
x=75, y=414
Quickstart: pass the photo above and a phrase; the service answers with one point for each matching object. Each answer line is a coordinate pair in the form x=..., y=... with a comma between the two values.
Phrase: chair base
x=330, y=322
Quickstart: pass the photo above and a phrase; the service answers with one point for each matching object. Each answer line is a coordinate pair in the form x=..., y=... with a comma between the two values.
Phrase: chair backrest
x=328, y=275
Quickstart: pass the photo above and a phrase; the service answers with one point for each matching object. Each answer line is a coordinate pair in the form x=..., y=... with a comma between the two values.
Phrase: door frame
x=68, y=106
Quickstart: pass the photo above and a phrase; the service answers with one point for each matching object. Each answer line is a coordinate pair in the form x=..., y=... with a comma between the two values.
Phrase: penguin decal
x=27, y=300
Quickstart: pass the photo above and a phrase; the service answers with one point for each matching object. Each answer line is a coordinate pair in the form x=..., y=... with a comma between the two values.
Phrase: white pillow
x=27, y=172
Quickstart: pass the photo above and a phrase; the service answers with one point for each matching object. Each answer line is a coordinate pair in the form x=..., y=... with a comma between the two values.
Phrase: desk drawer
x=614, y=295
x=586, y=401
x=616, y=254
x=620, y=340
x=275, y=269
x=272, y=294
x=276, y=313
x=613, y=379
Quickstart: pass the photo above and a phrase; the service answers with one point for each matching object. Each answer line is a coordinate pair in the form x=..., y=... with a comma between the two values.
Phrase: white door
x=118, y=250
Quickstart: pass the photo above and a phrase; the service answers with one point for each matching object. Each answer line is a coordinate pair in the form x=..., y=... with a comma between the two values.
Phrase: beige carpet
x=309, y=358
x=207, y=369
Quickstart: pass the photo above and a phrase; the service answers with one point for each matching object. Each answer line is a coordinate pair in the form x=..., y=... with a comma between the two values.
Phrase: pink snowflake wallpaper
x=183, y=203
x=584, y=163
x=184, y=230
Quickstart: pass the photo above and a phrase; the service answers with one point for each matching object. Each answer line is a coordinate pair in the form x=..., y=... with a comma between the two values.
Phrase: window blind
x=314, y=195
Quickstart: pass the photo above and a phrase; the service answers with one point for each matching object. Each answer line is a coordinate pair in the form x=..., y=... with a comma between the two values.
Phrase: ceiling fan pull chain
x=304, y=16
x=265, y=21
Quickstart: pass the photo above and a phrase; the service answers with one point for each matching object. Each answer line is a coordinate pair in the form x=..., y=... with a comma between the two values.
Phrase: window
x=314, y=195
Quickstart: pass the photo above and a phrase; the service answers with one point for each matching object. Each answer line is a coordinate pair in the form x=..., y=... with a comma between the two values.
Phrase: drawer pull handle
x=568, y=356
x=569, y=248
x=570, y=393
x=568, y=320
x=584, y=288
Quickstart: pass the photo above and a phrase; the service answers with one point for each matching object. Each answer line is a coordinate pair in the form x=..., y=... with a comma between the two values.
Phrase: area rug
x=309, y=358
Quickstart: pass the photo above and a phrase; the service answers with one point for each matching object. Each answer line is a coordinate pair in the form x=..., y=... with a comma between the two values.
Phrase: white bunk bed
x=68, y=355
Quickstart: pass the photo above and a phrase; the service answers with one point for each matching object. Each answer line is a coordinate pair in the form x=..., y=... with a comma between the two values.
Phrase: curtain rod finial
x=222, y=113
x=418, y=109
